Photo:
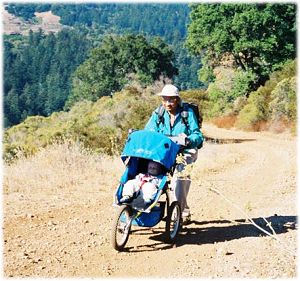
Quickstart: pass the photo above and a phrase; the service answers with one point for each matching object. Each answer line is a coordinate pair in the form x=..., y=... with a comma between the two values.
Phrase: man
x=168, y=120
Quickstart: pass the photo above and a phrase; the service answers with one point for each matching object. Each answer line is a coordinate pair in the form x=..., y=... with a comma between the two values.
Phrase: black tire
x=120, y=227
x=173, y=222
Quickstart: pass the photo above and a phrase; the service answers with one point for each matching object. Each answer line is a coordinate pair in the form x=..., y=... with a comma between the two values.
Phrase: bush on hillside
x=283, y=104
x=230, y=84
x=254, y=112
x=80, y=125
x=101, y=126
x=199, y=97
x=283, y=109
x=277, y=98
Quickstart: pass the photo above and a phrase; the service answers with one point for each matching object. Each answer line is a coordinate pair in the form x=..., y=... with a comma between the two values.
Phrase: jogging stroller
x=142, y=146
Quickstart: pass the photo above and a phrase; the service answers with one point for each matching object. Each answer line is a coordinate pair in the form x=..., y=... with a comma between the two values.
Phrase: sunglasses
x=169, y=99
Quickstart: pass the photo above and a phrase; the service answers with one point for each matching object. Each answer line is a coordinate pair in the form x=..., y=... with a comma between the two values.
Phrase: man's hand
x=182, y=135
x=184, y=138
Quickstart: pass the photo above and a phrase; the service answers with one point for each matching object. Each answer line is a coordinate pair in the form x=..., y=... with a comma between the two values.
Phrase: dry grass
x=57, y=172
x=277, y=126
x=226, y=122
x=69, y=167
x=65, y=166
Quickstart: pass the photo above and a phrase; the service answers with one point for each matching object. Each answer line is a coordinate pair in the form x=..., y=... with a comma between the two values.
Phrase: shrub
x=199, y=97
x=225, y=121
x=241, y=84
x=274, y=101
x=283, y=104
x=230, y=84
x=101, y=126
x=251, y=114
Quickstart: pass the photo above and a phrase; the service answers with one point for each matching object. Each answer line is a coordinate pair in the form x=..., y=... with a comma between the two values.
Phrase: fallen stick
x=274, y=235
x=270, y=226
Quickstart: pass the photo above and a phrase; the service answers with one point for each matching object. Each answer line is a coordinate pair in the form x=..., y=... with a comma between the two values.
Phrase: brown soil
x=64, y=232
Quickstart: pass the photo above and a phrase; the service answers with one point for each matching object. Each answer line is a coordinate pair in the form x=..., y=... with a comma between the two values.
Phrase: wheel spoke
x=173, y=222
x=121, y=228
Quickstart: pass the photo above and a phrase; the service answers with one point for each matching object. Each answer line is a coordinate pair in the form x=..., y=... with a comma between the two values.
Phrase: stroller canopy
x=151, y=145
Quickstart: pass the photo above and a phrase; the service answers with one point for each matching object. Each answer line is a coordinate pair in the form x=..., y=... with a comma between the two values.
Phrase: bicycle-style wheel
x=121, y=227
x=173, y=222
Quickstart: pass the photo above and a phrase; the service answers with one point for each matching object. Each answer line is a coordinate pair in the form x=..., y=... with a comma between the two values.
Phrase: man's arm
x=195, y=137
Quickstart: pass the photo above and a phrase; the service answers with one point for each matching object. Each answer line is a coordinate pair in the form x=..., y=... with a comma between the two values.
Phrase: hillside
x=101, y=125
x=52, y=59
x=47, y=21
x=44, y=74
x=57, y=209
x=166, y=20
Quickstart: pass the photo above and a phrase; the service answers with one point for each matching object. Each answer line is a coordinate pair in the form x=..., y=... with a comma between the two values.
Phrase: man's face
x=154, y=168
x=170, y=103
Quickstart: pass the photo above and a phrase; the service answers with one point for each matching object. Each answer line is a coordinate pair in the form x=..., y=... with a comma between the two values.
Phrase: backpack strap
x=160, y=115
x=184, y=115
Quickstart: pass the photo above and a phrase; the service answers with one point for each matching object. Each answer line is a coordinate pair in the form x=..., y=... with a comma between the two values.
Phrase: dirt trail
x=66, y=233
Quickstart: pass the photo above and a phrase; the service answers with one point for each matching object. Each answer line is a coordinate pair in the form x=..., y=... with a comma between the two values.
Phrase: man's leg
x=181, y=184
x=181, y=192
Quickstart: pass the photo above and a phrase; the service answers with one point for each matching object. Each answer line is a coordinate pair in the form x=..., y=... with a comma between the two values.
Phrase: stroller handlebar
x=181, y=140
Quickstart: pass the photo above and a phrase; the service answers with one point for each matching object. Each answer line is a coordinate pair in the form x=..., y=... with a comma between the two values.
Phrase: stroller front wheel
x=173, y=222
x=121, y=227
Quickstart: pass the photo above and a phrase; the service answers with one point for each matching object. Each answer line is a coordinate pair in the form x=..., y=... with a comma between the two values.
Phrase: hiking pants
x=180, y=183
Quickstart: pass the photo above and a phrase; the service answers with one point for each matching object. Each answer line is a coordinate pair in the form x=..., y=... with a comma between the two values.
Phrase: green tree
x=110, y=66
x=39, y=70
x=169, y=21
x=9, y=57
x=259, y=37
x=12, y=110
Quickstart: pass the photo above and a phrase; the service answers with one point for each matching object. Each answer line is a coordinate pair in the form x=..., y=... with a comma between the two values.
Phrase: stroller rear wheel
x=173, y=222
x=121, y=227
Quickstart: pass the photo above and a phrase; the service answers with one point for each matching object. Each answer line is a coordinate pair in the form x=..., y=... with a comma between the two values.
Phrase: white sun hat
x=169, y=91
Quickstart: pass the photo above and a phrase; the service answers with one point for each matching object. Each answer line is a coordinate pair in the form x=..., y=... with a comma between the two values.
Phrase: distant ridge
x=48, y=22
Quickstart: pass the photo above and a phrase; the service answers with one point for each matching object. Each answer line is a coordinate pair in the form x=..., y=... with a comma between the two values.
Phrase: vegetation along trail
x=58, y=214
